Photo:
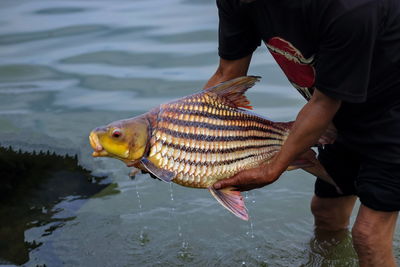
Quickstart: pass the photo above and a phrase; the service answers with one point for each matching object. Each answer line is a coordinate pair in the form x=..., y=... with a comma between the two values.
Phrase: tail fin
x=328, y=137
x=311, y=164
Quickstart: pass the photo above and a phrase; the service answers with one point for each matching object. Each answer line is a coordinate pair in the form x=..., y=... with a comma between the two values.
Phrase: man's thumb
x=217, y=185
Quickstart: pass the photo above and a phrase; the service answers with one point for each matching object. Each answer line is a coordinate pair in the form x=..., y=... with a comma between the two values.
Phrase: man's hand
x=250, y=179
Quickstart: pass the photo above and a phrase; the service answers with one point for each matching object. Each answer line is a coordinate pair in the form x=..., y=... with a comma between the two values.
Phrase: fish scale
x=199, y=133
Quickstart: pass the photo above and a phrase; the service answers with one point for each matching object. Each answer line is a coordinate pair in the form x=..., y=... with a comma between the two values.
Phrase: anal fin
x=232, y=200
x=164, y=175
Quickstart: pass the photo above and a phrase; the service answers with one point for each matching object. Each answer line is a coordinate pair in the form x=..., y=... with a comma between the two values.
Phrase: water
x=69, y=66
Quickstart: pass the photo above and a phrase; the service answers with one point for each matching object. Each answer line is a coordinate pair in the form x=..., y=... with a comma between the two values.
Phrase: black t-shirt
x=347, y=49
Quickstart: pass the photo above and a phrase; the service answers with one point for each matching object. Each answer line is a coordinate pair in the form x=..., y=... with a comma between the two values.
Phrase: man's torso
x=296, y=34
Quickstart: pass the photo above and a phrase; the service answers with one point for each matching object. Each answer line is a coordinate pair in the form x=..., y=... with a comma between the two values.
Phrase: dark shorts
x=377, y=184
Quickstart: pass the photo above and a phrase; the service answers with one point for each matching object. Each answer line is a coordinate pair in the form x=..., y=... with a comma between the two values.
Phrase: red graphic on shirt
x=298, y=69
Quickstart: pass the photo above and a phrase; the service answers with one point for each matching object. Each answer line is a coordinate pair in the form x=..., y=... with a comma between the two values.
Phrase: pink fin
x=306, y=160
x=311, y=164
x=233, y=90
x=232, y=200
x=300, y=163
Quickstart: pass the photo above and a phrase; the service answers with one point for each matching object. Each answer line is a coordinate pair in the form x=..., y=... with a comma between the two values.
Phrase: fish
x=200, y=139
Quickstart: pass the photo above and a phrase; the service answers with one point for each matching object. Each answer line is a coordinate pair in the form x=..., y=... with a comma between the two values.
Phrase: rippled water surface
x=69, y=66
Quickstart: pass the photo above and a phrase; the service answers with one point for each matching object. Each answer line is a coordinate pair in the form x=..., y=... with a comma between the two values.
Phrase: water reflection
x=41, y=191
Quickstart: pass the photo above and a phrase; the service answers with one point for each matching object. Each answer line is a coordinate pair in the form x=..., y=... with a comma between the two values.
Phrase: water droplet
x=139, y=200
x=171, y=191
x=172, y=213
x=179, y=230
x=252, y=229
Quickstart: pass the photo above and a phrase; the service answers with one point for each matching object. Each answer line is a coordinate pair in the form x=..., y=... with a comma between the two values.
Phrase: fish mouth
x=98, y=148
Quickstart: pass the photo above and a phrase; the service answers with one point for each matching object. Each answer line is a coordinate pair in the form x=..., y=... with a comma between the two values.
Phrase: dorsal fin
x=233, y=90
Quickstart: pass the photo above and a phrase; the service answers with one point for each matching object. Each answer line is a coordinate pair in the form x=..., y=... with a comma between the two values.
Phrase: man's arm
x=310, y=124
x=229, y=69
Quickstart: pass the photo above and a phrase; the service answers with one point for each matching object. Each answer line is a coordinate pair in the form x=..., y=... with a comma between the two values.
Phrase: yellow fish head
x=125, y=139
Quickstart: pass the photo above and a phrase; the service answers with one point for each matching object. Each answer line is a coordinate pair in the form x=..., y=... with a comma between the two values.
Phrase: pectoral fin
x=232, y=200
x=164, y=175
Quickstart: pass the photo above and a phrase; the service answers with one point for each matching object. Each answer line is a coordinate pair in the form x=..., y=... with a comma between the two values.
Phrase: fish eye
x=116, y=133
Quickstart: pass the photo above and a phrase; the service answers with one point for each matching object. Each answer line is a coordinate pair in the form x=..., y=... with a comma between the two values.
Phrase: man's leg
x=331, y=217
x=373, y=237
x=332, y=214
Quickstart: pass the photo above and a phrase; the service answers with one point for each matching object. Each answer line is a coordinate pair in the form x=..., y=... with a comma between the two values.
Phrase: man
x=348, y=53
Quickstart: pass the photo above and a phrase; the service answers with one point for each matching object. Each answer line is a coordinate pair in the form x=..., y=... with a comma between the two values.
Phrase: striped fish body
x=203, y=138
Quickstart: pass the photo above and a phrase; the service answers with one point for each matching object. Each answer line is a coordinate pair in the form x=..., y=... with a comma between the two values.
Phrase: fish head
x=124, y=139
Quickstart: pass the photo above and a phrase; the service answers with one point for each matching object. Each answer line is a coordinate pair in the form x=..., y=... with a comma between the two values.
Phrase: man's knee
x=332, y=213
x=323, y=217
x=371, y=247
x=318, y=209
x=373, y=231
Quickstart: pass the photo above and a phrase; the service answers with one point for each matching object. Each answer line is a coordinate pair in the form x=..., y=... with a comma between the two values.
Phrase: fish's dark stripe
x=219, y=163
x=246, y=117
x=214, y=138
x=222, y=151
x=218, y=127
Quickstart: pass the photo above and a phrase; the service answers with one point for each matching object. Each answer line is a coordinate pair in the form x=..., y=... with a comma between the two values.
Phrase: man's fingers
x=222, y=184
x=227, y=182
